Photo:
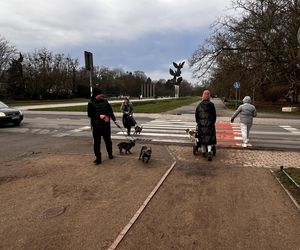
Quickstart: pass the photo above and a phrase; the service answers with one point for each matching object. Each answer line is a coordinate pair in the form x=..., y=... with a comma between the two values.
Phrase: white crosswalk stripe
x=291, y=129
x=163, y=131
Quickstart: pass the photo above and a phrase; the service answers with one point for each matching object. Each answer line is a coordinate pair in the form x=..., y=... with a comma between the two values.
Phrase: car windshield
x=2, y=105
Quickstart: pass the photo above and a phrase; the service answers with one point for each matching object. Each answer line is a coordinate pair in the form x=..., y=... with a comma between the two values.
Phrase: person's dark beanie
x=97, y=91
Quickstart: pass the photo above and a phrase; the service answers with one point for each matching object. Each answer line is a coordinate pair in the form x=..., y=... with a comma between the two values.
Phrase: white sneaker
x=244, y=145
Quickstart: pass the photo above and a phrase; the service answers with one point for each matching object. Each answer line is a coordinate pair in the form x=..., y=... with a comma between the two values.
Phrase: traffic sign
x=237, y=85
x=88, y=56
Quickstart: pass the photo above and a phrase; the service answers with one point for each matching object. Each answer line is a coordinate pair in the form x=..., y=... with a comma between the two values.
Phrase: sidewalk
x=232, y=201
x=245, y=158
x=217, y=206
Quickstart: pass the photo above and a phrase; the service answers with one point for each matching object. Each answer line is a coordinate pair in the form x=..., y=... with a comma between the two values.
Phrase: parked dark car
x=10, y=115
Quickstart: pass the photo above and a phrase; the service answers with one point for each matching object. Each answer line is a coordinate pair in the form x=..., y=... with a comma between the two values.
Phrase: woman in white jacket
x=247, y=111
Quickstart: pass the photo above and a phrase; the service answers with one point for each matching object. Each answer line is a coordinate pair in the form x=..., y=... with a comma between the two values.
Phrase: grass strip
x=44, y=102
x=155, y=106
x=265, y=107
x=288, y=184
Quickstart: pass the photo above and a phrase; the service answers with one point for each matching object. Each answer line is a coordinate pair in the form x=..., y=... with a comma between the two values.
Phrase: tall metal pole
x=88, y=57
x=91, y=81
x=235, y=97
x=298, y=54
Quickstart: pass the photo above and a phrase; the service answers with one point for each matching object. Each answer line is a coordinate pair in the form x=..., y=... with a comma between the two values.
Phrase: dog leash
x=126, y=136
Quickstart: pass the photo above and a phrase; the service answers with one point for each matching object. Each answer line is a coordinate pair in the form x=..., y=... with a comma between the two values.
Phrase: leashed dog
x=137, y=129
x=192, y=133
x=126, y=146
x=145, y=154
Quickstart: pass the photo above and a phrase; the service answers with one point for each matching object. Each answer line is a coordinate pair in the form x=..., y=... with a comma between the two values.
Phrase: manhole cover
x=53, y=212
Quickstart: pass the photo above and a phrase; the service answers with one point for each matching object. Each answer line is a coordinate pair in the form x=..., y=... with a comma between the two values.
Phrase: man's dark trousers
x=106, y=134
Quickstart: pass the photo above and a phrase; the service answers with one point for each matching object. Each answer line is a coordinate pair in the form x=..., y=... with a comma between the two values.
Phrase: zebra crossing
x=173, y=131
x=156, y=131
x=166, y=131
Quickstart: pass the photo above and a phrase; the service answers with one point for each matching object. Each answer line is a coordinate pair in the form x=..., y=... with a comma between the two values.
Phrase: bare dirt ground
x=212, y=206
x=98, y=201
x=201, y=205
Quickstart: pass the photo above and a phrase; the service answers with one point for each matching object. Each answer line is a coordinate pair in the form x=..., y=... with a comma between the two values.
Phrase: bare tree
x=7, y=53
x=259, y=46
x=48, y=75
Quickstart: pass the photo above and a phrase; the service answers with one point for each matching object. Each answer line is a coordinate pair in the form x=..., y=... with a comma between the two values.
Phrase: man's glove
x=232, y=120
x=105, y=118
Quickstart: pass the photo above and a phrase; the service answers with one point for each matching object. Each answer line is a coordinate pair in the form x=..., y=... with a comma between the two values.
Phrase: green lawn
x=163, y=106
x=155, y=106
x=38, y=102
x=267, y=107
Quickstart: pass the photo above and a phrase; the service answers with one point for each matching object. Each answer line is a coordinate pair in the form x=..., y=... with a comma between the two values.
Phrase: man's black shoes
x=97, y=161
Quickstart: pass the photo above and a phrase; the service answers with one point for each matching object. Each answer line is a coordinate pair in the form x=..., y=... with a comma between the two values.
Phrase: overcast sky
x=146, y=35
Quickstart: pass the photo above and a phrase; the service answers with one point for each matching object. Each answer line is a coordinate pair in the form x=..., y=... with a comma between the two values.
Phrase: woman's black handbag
x=132, y=121
x=128, y=120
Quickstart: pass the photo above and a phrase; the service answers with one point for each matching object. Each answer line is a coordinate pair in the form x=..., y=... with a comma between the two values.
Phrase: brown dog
x=145, y=154
x=126, y=146
x=192, y=133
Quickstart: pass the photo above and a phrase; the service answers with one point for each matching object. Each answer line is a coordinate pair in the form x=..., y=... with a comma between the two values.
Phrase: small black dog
x=145, y=154
x=138, y=129
x=126, y=146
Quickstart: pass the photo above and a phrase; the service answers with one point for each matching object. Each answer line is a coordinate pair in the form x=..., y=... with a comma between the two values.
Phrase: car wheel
x=16, y=123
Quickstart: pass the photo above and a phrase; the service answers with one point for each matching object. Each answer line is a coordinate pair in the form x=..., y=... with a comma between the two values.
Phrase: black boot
x=209, y=156
x=98, y=160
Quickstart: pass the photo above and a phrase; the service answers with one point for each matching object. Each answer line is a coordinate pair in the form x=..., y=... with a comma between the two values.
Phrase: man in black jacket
x=205, y=115
x=100, y=113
